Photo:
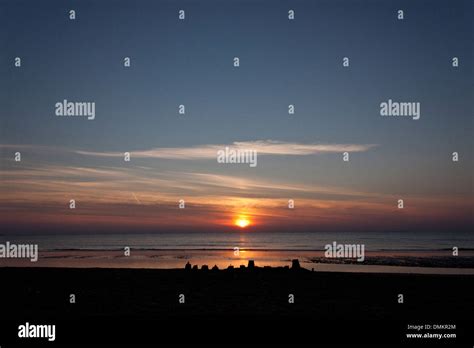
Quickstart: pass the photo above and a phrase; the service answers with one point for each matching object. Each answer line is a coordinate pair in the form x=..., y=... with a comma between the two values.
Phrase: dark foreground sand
x=133, y=306
x=44, y=292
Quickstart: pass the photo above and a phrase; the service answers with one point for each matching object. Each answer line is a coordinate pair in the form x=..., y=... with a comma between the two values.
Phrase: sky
x=190, y=62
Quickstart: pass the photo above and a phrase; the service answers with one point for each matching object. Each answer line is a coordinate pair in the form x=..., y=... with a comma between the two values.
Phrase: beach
x=420, y=262
x=44, y=292
x=236, y=297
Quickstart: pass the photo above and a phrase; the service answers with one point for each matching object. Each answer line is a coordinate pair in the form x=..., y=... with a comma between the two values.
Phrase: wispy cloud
x=263, y=147
x=147, y=199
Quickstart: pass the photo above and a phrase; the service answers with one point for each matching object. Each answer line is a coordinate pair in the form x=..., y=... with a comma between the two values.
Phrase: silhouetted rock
x=188, y=266
x=204, y=268
x=251, y=264
x=295, y=264
x=195, y=267
x=215, y=268
x=230, y=268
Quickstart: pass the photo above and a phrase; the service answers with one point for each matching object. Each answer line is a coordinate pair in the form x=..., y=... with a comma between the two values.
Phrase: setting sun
x=242, y=222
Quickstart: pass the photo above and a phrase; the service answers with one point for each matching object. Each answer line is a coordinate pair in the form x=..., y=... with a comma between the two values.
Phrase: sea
x=384, y=252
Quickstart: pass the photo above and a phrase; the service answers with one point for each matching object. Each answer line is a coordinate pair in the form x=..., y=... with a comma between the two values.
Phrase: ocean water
x=387, y=252
x=387, y=241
